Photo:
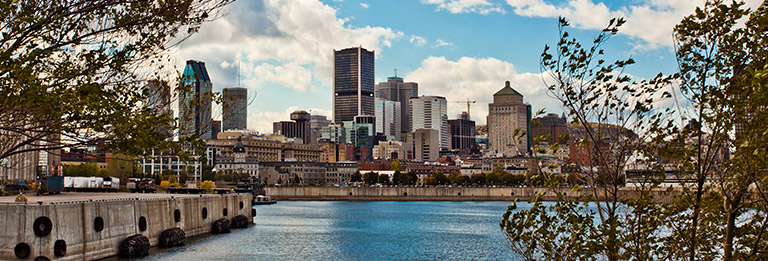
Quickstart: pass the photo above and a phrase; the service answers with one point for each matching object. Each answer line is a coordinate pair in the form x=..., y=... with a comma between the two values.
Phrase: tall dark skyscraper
x=353, y=80
x=462, y=132
x=394, y=89
x=195, y=101
x=235, y=109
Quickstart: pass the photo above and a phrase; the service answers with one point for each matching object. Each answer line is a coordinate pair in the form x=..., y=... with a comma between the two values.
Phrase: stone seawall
x=95, y=228
x=424, y=193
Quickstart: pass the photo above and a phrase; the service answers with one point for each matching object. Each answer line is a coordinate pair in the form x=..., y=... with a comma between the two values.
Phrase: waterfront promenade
x=431, y=193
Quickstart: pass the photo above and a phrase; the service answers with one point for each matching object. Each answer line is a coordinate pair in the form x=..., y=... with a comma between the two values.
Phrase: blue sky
x=459, y=49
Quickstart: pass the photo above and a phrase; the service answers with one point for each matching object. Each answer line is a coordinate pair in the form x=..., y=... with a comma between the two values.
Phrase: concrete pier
x=93, y=225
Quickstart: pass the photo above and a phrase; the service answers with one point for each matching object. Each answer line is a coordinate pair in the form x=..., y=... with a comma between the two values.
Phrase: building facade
x=353, y=81
x=508, y=123
x=298, y=127
x=340, y=172
x=423, y=145
x=431, y=112
x=394, y=89
x=388, y=118
x=462, y=132
x=195, y=101
x=238, y=162
x=234, y=109
x=316, y=125
x=390, y=150
x=550, y=128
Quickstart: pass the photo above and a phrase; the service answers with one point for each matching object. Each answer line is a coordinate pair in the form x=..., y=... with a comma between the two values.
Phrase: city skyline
x=285, y=47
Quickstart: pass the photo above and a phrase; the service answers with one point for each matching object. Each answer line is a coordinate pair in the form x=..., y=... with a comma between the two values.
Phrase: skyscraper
x=462, y=132
x=298, y=127
x=394, y=89
x=388, y=119
x=506, y=115
x=195, y=101
x=353, y=79
x=431, y=112
x=235, y=109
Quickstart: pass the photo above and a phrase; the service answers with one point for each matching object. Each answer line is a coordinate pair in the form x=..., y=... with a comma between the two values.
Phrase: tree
x=720, y=210
x=412, y=178
x=383, y=179
x=183, y=176
x=88, y=169
x=166, y=174
x=440, y=178
x=357, y=177
x=121, y=166
x=207, y=172
x=396, y=177
x=73, y=71
x=722, y=71
x=371, y=178
x=456, y=178
x=396, y=166
x=208, y=186
x=619, y=120
x=478, y=179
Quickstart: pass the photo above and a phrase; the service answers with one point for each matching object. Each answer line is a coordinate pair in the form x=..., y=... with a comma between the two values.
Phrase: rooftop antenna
x=395, y=72
x=238, y=73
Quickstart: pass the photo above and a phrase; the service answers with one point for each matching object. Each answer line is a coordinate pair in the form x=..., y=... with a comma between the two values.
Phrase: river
x=314, y=230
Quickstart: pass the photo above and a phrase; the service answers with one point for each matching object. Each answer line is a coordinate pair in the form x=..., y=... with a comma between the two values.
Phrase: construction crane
x=468, y=102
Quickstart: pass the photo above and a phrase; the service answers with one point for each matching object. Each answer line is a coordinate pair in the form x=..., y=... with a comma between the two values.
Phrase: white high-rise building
x=431, y=112
x=388, y=118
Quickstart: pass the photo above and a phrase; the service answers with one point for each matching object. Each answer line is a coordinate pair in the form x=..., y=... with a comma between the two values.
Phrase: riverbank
x=432, y=193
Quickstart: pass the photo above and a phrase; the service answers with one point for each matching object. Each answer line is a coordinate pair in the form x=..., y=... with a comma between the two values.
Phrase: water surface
x=312, y=230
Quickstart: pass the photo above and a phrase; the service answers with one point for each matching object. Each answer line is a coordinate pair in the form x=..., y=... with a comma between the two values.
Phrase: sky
x=458, y=49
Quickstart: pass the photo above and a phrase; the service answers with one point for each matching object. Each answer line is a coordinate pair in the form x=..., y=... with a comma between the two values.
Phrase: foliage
x=183, y=176
x=478, y=179
x=88, y=169
x=121, y=166
x=383, y=179
x=370, y=178
x=165, y=184
x=412, y=178
x=231, y=175
x=396, y=166
x=357, y=177
x=207, y=172
x=208, y=186
x=618, y=116
x=396, y=177
x=718, y=153
x=73, y=71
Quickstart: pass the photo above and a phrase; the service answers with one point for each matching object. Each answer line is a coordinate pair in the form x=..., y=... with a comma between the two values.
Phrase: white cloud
x=291, y=75
x=478, y=79
x=301, y=32
x=440, y=43
x=652, y=21
x=261, y=121
x=364, y=5
x=466, y=6
x=417, y=40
